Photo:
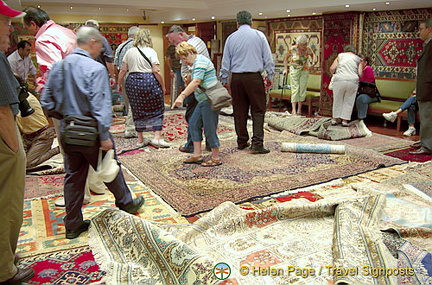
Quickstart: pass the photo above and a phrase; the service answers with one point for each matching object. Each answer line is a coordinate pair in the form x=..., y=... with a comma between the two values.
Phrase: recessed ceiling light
x=289, y=15
x=387, y=3
x=193, y=19
x=288, y=10
x=313, y=13
x=71, y=8
x=127, y=10
x=347, y=6
x=213, y=17
x=162, y=22
x=260, y=14
x=39, y=6
x=373, y=9
x=99, y=9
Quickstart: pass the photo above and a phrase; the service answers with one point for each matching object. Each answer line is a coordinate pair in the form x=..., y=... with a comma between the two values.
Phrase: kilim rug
x=43, y=186
x=404, y=155
x=230, y=243
x=191, y=189
x=73, y=266
x=43, y=229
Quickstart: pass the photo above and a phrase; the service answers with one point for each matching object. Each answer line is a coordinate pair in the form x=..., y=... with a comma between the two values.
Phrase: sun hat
x=9, y=12
x=107, y=168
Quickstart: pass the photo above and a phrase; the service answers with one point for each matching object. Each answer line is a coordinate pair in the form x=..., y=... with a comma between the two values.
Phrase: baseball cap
x=9, y=12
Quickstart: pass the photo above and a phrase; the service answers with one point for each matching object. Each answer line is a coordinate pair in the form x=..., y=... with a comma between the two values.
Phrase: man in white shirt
x=21, y=62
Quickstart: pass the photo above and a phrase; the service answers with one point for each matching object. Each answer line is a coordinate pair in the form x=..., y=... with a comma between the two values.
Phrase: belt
x=247, y=72
x=35, y=134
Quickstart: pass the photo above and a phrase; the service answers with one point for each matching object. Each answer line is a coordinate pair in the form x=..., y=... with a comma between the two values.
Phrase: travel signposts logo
x=222, y=271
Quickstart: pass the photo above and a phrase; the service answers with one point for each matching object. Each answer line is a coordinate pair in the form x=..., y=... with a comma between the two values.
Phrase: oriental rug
x=318, y=236
x=319, y=127
x=405, y=155
x=378, y=142
x=43, y=228
x=43, y=186
x=73, y=266
x=191, y=189
x=174, y=131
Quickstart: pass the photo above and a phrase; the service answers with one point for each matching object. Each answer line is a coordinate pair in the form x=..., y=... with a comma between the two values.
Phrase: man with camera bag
x=84, y=84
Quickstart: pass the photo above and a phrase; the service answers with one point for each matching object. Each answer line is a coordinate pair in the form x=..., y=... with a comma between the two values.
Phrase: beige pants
x=298, y=82
x=12, y=183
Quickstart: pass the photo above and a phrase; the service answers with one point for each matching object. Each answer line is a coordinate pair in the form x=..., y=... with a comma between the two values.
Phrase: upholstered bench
x=312, y=93
x=393, y=93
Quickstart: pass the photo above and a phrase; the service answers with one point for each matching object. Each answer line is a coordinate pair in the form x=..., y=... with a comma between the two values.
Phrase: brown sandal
x=194, y=159
x=211, y=162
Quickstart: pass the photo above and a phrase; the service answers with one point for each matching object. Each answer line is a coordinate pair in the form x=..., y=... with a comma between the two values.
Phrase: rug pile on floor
x=404, y=155
x=334, y=232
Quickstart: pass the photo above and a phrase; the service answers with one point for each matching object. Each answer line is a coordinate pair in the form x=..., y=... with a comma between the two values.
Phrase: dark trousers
x=77, y=160
x=248, y=92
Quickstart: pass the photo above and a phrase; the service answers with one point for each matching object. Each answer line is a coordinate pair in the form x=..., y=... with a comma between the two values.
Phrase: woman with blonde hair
x=300, y=59
x=145, y=88
x=203, y=117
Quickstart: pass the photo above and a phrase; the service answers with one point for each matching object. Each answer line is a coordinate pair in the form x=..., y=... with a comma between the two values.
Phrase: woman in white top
x=347, y=69
x=144, y=88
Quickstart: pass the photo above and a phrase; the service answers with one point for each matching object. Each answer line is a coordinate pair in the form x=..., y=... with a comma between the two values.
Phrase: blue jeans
x=204, y=117
x=362, y=104
x=410, y=104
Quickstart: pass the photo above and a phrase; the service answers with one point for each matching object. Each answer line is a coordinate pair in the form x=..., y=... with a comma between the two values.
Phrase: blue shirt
x=203, y=69
x=246, y=50
x=121, y=51
x=83, y=90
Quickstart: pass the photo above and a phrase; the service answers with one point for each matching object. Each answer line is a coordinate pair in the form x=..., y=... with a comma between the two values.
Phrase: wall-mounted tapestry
x=392, y=43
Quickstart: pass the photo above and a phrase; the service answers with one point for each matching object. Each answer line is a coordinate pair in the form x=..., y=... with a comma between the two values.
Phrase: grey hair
x=86, y=34
x=175, y=29
x=143, y=39
x=350, y=48
x=244, y=17
x=302, y=39
x=132, y=32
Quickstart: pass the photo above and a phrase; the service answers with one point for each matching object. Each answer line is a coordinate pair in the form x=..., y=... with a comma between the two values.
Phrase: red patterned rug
x=192, y=189
x=43, y=186
x=73, y=266
x=404, y=155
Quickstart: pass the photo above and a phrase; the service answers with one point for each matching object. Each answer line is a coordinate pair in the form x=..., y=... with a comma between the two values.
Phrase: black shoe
x=259, y=150
x=133, y=207
x=71, y=234
x=22, y=275
x=243, y=146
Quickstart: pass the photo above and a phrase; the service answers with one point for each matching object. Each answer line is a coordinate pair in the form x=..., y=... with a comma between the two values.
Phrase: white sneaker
x=410, y=132
x=390, y=116
x=159, y=143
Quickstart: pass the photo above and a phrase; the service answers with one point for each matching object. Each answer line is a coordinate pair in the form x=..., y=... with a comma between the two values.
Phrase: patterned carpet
x=43, y=229
x=191, y=189
x=43, y=186
x=378, y=142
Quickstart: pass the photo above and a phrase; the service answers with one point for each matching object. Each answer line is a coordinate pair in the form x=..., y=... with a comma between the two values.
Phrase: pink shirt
x=368, y=74
x=53, y=43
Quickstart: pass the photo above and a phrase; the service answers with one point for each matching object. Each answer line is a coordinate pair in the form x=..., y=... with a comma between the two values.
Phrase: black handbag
x=369, y=89
x=80, y=130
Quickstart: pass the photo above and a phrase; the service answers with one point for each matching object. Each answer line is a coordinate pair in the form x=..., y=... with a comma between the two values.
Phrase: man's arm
x=7, y=128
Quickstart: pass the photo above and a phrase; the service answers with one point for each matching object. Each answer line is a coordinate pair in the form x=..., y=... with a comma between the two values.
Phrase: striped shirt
x=201, y=48
x=203, y=69
x=121, y=51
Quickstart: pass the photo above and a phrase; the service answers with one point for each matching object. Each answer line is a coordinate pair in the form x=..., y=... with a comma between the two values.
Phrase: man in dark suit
x=424, y=89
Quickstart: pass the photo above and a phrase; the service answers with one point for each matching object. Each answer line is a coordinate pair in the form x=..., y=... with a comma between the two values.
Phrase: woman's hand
x=179, y=101
x=285, y=71
x=106, y=145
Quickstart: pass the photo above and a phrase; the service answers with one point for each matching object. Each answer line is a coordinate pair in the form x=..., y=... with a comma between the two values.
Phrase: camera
x=24, y=106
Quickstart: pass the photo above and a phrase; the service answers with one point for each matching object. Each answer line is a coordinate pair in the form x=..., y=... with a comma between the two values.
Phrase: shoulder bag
x=79, y=129
x=369, y=89
x=218, y=96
